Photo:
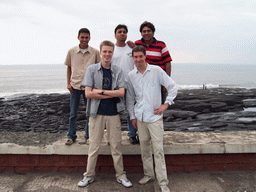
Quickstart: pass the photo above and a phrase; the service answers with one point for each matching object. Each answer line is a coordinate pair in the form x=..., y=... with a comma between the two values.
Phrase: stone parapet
x=174, y=143
x=184, y=152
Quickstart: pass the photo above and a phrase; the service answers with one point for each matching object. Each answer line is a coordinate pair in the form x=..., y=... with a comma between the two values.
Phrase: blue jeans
x=132, y=131
x=74, y=104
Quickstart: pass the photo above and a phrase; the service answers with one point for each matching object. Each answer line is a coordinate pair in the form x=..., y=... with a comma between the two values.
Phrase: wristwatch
x=102, y=92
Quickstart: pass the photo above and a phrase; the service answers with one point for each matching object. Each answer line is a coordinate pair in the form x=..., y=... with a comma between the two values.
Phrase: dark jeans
x=74, y=104
x=132, y=131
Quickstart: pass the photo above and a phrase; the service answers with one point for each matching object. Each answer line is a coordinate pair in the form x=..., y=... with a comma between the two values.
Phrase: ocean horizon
x=51, y=78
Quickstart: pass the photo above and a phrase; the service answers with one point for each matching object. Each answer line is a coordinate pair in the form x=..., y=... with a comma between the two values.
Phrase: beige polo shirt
x=79, y=62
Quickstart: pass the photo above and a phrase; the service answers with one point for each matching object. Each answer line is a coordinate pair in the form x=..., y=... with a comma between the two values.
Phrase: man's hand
x=69, y=87
x=161, y=109
x=131, y=44
x=134, y=123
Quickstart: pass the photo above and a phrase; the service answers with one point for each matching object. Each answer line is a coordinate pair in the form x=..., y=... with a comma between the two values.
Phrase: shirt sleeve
x=137, y=42
x=98, y=58
x=88, y=78
x=165, y=54
x=68, y=59
x=121, y=83
x=170, y=85
x=130, y=99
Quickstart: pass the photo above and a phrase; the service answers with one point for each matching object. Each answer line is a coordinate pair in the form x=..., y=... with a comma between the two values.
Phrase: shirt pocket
x=138, y=90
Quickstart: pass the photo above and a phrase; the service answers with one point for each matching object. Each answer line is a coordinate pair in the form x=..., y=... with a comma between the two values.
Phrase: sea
x=18, y=80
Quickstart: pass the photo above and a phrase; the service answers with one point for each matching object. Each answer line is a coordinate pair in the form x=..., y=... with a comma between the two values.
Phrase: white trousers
x=96, y=132
x=151, y=134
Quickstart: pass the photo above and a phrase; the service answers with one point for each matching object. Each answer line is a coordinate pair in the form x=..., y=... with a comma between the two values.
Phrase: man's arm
x=94, y=94
x=130, y=99
x=134, y=123
x=111, y=93
x=168, y=68
x=69, y=87
x=170, y=85
x=171, y=88
x=97, y=93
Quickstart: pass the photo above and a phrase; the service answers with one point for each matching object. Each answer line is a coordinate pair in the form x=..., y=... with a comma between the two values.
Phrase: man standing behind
x=123, y=58
x=77, y=61
x=156, y=51
x=103, y=83
x=144, y=85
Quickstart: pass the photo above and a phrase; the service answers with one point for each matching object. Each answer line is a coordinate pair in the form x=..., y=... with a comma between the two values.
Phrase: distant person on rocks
x=105, y=88
x=156, y=51
x=144, y=85
x=123, y=58
x=77, y=61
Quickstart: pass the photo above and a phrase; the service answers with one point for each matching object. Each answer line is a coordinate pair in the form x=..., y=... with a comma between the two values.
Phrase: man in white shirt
x=144, y=88
x=123, y=58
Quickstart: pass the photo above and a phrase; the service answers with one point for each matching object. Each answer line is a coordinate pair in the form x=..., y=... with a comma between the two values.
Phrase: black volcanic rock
x=220, y=109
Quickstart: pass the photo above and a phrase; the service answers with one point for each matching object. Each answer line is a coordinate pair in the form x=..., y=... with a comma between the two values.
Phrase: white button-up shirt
x=144, y=93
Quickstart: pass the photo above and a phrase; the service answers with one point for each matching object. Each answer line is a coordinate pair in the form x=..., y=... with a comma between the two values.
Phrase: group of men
x=120, y=77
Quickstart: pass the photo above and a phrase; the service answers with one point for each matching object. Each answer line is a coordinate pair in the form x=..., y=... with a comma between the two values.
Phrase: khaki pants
x=96, y=132
x=153, y=133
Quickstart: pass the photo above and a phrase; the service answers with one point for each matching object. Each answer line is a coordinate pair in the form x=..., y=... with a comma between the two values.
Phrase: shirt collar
x=100, y=67
x=147, y=69
x=154, y=40
x=78, y=49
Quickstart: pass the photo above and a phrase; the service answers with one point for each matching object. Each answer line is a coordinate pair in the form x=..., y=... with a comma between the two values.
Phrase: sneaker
x=85, y=181
x=164, y=188
x=146, y=179
x=69, y=142
x=133, y=140
x=124, y=181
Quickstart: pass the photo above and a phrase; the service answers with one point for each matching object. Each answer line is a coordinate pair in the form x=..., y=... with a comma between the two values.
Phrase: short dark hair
x=107, y=43
x=147, y=24
x=139, y=48
x=83, y=30
x=120, y=26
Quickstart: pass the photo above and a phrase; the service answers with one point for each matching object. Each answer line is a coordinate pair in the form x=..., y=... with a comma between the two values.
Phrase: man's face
x=121, y=35
x=147, y=34
x=106, y=53
x=139, y=59
x=84, y=39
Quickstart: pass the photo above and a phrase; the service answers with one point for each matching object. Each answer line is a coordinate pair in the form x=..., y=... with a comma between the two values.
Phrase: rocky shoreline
x=45, y=117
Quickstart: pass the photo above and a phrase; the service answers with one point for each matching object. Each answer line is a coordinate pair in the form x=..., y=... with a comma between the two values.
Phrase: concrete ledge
x=184, y=152
x=174, y=143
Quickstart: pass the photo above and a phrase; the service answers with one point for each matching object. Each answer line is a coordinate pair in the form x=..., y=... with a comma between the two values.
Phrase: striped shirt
x=156, y=53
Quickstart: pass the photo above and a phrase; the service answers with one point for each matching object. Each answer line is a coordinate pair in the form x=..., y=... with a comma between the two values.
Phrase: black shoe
x=138, y=140
x=133, y=140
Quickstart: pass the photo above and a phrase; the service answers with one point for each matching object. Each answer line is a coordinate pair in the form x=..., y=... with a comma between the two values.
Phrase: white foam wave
x=207, y=86
x=10, y=95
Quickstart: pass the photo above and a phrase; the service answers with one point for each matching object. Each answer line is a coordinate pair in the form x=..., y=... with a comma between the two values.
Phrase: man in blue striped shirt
x=144, y=88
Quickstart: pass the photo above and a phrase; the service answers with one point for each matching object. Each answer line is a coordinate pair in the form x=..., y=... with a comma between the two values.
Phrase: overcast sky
x=196, y=31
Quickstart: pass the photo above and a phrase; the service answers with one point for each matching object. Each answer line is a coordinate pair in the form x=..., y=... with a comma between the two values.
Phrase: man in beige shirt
x=77, y=61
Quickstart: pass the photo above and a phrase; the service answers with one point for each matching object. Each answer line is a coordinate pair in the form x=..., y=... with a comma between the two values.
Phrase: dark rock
x=220, y=109
x=218, y=125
